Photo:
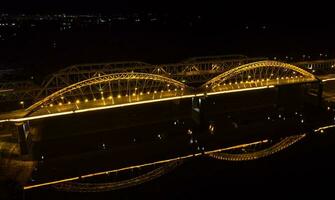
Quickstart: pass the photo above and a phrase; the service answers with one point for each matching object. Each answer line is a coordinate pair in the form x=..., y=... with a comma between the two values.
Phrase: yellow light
x=69, y=102
x=168, y=85
x=155, y=91
x=94, y=99
x=119, y=96
x=21, y=102
x=240, y=90
x=126, y=95
x=145, y=165
x=329, y=79
x=60, y=104
x=62, y=97
x=127, y=104
x=141, y=93
x=101, y=92
x=175, y=89
x=134, y=94
x=324, y=127
x=169, y=90
x=162, y=90
x=182, y=88
x=110, y=97
x=51, y=105
x=148, y=92
x=78, y=101
x=102, y=98
x=136, y=88
x=86, y=100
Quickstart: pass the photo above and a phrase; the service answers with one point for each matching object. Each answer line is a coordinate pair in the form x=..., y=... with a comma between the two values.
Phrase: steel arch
x=103, y=79
x=255, y=65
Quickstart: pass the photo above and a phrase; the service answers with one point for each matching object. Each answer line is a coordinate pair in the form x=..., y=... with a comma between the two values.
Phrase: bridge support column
x=24, y=137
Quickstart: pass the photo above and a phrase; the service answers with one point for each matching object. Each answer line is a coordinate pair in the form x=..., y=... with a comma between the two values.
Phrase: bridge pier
x=24, y=137
x=299, y=95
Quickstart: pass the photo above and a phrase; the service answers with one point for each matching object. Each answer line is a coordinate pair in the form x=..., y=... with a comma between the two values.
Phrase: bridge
x=132, y=88
x=92, y=88
x=192, y=71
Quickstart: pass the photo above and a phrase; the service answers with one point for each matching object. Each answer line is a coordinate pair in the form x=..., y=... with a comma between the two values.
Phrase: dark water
x=303, y=169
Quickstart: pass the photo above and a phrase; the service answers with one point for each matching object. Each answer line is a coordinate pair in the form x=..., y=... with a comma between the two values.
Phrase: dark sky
x=284, y=10
x=293, y=28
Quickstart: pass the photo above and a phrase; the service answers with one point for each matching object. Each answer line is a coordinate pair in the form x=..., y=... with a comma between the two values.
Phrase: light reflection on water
x=108, y=149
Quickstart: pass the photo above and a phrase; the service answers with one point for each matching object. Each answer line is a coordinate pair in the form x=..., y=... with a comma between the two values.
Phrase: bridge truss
x=128, y=87
x=257, y=74
x=318, y=66
x=192, y=71
x=18, y=91
x=110, y=89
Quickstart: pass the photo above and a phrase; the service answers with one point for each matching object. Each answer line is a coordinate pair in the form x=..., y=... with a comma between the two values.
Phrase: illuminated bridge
x=131, y=88
x=95, y=88
x=192, y=71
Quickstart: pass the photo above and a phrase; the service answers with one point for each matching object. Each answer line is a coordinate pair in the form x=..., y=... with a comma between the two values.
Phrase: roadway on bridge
x=85, y=104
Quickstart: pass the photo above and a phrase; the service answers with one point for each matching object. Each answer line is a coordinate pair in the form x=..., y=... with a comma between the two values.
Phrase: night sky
x=286, y=13
x=282, y=11
x=292, y=29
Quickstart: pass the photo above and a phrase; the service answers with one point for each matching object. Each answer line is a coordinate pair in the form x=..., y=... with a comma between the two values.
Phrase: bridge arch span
x=110, y=89
x=255, y=74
